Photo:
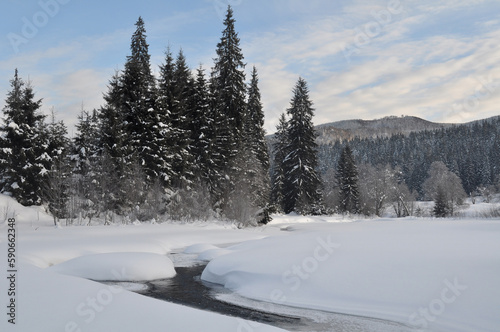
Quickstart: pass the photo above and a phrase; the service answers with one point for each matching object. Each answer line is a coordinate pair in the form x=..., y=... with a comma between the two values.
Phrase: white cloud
x=398, y=72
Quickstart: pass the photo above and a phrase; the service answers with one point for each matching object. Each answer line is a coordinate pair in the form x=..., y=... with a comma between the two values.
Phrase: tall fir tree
x=141, y=117
x=228, y=103
x=165, y=103
x=249, y=198
x=441, y=208
x=86, y=155
x=180, y=119
x=200, y=128
x=24, y=153
x=113, y=147
x=55, y=189
x=254, y=125
x=254, y=135
x=278, y=176
x=347, y=178
x=302, y=185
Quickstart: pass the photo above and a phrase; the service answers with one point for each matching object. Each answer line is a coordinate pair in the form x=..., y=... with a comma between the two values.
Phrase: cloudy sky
x=436, y=59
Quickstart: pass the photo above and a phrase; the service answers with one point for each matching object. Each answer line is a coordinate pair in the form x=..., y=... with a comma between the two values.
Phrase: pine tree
x=86, y=189
x=302, y=185
x=347, y=177
x=113, y=144
x=169, y=130
x=249, y=198
x=140, y=114
x=441, y=208
x=254, y=128
x=24, y=154
x=200, y=128
x=180, y=119
x=278, y=176
x=228, y=104
x=254, y=135
x=55, y=189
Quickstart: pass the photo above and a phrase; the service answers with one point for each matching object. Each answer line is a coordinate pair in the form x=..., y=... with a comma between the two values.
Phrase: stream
x=187, y=288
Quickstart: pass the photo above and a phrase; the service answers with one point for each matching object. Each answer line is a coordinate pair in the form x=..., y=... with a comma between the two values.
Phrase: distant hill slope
x=385, y=127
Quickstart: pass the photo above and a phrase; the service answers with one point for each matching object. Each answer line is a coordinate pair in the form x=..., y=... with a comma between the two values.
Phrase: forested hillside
x=472, y=151
x=385, y=127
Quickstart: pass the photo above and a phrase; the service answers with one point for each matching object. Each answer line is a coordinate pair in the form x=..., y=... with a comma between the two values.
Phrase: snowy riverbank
x=433, y=275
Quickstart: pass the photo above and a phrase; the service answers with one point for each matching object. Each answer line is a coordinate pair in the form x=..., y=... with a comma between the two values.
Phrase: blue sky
x=439, y=60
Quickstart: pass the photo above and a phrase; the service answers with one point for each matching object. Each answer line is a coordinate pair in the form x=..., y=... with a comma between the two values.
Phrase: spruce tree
x=254, y=128
x=347, y=177
x=24, y=153
x=180, y=119
x=165, y=103
x=254, y=135
x=228, y=104
x=140, y=113
x=278, y=174
x=86, y=188
x=441, y=208
x=302, y=185
x=113, y=145
x=200, y=128
x=55, y=188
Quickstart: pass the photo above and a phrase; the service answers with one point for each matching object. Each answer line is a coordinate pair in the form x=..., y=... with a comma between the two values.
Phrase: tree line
x=181, y=145
x=470, y=151
x=190, y=147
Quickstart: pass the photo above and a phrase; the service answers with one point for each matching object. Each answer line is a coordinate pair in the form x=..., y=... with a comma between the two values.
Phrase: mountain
x=385, y=127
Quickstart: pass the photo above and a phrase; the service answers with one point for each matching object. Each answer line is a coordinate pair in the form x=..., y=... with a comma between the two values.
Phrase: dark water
x=187, y=289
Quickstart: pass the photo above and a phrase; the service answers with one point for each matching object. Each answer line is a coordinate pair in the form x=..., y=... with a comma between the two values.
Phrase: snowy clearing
x=428, y=274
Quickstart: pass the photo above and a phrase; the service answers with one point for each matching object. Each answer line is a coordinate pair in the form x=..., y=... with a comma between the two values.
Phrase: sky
x=362, y=59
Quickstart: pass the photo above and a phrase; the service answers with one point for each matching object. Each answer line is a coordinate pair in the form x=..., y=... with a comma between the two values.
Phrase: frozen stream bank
x=186, y=288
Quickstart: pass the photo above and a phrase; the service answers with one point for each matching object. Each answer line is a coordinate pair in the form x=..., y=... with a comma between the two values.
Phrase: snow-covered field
x=428, y=274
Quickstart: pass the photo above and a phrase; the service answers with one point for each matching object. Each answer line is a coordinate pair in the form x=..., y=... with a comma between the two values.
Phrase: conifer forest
x=187, y=144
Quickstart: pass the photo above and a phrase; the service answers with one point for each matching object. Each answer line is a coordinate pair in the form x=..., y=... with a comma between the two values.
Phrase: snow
x=428, y=274
x=118, y=267
x=199, y=248
x=435, y=275
x=52, y=294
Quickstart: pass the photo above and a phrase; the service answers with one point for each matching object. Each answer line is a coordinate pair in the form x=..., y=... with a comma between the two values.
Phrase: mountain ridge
x=384, y=127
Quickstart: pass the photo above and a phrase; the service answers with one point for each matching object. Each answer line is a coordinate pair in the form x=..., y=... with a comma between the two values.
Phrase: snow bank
x=436, y=275
x=199, y=248
x=48, y=302
x=118, y=267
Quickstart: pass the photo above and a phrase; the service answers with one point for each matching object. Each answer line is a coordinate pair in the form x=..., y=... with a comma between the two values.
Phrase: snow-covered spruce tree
x=24, y=157
x=165, y=103
x=112, y=140
x=228, y=104
x=140, y=114
x=254, y=135
x=180, y=139
x=86, y=191
x=200, y=128
x=55, y=189
x=441, y=206
x=302, y=185
x=347, y=177
x=249, y=200
x=278, y=176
